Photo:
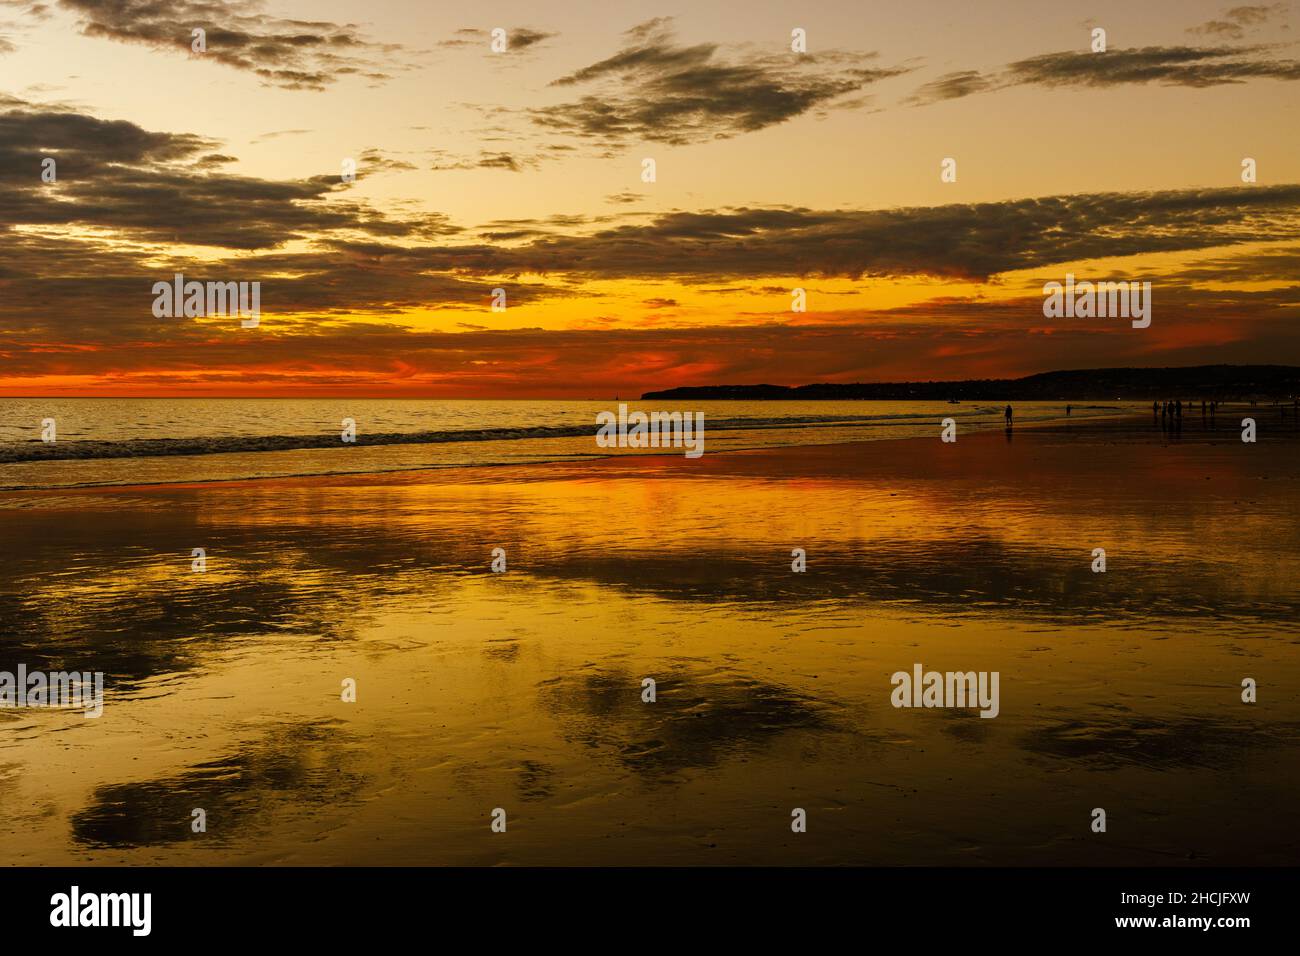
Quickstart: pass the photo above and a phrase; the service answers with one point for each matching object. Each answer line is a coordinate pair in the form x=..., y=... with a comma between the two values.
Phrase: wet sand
x=522, y=690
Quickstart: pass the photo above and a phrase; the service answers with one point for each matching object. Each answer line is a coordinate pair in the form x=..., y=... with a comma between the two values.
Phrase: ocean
x=148, y=441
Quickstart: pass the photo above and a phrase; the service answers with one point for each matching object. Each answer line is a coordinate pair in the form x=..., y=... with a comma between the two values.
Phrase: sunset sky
x=523, y=170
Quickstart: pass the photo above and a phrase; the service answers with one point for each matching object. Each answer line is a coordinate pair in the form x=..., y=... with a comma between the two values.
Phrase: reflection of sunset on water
x=224, y=686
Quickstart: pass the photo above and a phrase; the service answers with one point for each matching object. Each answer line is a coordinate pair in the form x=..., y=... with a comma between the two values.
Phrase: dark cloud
x=1234, y=23
x=1170, y=66
x=215, y=159
x=128, y=194
x=36, y=11
x=499, y=161
x=56, y=290
x=276, y=134
x=376, y=161
x=444, y=161
x=159, y=187
x=658, y=90
x=292, y=54
x=952, y=86
x=521, y=39
x=1173, y=66
x=511, y=162
x=84, y=139
x=959, y=241
x=517, y=38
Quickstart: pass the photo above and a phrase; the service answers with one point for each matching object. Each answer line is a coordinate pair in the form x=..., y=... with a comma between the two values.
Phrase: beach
x=522, y=689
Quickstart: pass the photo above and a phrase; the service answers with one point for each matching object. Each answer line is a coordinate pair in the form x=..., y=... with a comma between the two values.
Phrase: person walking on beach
x=1008, y=416
x=1067, y=411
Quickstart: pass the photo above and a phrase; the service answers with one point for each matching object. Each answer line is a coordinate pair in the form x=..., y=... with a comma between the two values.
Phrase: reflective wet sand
x=523, y=690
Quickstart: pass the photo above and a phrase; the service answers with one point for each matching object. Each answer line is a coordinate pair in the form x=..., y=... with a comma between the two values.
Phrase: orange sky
x=523, y=170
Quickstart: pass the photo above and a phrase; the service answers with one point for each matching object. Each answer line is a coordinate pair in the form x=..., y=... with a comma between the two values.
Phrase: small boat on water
x=954, y=401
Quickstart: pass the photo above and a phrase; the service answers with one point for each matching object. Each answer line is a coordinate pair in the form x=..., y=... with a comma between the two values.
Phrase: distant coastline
x=1221, y=382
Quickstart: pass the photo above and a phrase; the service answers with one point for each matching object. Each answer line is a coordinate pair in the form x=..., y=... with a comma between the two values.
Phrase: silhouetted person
x=1067, y=411
x=1008, y=416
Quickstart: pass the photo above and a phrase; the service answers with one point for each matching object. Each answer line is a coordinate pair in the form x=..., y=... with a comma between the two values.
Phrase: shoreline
x=422, y=474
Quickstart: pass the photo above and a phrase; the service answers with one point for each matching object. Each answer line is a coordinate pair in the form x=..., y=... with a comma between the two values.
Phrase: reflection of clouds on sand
x=697, y=722
x=967, y=576
x=523, y=689
x=992, y=536
x=1183, y=742
x=168, y=626
x=141, y=612
x=296, y=768
x=149, y=616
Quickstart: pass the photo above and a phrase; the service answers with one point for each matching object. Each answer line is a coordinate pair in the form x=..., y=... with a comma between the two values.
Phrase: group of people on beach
x=1171, y=413
x=1174, y=409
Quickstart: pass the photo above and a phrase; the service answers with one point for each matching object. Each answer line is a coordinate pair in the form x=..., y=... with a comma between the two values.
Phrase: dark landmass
x=1222, y=382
